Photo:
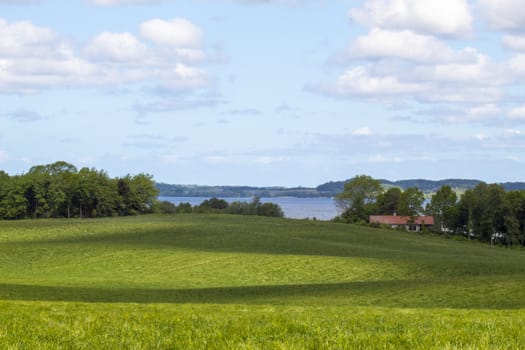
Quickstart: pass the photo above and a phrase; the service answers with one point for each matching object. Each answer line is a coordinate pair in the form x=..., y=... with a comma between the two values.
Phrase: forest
x=486, y=212
x=60, y=190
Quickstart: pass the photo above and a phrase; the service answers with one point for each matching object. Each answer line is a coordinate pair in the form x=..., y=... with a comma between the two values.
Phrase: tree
x=443, y=206
x=270, y=209
x=60, y=190
x=359, y=198
x=411, y=202
x=388, y=202
x=482, y=211
x=515, y=216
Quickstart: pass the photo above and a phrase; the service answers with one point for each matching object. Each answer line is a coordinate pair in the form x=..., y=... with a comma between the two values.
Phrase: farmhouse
x=416, y=223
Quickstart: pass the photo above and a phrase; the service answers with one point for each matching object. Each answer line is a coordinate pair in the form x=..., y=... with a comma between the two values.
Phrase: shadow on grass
x=315, y=240
x=412, y=293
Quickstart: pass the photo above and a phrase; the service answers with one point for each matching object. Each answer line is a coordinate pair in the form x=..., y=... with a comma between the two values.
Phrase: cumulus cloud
x=360, y=81
x=24, y=38
x=479, y=82
x=182, y=77
x=116, y=47
x=34, y=57
x=178, y=32
x=514, y=42
x=405, y=44
x=517, y=64
x=404, y=57
x=504, y=14
x=440, y=17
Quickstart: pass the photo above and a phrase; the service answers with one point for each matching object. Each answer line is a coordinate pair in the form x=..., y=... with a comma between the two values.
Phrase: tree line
x=486, y=212
x=220, y=206
x=60, y=190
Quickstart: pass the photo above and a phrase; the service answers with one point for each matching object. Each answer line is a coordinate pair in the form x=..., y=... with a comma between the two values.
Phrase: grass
x=194, y=282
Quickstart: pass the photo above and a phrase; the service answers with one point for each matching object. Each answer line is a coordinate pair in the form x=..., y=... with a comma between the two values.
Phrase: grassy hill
x=251, y=282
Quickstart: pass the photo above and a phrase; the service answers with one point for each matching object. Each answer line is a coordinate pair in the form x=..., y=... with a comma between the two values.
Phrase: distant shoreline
x=326, y=190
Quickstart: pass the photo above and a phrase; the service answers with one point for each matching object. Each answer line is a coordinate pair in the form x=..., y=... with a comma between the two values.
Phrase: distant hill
x=236, y=191
x=329, y=189
x=425, y=185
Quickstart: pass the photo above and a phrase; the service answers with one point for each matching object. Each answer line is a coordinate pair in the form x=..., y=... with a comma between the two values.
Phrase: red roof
x=401, y=220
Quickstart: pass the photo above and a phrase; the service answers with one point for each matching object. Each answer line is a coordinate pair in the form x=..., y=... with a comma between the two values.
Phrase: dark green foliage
x=389, y=201
x=60, y=190
x=255, y=207
x=443, y=206
x=211, y=205
x=164, y=207
x=270, y=209
x=184, y=208
x=358, y=200
x=411, y=202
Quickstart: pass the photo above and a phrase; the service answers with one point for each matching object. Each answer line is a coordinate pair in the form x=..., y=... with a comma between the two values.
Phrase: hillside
x=249, y=282
x=329, y=189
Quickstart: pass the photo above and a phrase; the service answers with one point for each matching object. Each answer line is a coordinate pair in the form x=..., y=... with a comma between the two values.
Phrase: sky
x=265, y=92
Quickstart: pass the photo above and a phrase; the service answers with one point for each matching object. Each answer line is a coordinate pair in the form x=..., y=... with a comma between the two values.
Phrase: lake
x=294, y=208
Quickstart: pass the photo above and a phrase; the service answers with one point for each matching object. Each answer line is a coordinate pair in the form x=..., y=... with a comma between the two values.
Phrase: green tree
x=137, y=194
x=443, y=206
x=14, y=204
x=358, y=199
x=514, y=216
x=389, y=201
x=411, y=202
x=270, y=209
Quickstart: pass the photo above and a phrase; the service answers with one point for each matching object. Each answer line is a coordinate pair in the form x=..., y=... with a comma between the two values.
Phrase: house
x=416, y=223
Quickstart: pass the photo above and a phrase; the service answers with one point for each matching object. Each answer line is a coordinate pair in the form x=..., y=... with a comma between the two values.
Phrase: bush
x=164, y=207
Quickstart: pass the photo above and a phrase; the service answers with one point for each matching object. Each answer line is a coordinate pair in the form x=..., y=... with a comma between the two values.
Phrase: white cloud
x=504, y=14
x=481, y=70
x=439, y=17
x=474, y=80
x=178, y=32
x=517, y=64
x=514, y=42
x=24, y=38
x=406, y=45
x=359, y=81
x=116, y=47
x=183, y=77
x=33, y=58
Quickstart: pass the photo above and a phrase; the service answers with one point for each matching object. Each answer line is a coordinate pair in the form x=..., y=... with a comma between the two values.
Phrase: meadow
x=224, y=281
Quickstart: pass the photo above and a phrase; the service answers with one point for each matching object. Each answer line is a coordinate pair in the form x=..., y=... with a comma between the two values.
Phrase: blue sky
x=265, y=92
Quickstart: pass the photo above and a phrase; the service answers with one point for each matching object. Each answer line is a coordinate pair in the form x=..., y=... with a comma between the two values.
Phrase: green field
x=215, y=282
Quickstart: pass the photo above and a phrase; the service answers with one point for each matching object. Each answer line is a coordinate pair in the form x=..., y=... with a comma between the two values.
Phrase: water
x=293, y=208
